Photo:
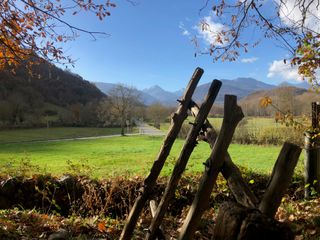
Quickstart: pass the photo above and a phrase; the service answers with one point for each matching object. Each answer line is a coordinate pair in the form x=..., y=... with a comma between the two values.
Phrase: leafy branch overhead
x=293, y=23
x=31, y=28
x=308, y=57
x=284, y=117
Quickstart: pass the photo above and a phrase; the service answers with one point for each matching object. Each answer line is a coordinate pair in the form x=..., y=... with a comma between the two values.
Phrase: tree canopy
x=120, y=107
x=35, y=28
x=294, y=23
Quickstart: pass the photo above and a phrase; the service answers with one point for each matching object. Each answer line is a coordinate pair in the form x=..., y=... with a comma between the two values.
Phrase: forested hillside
x=287, y=98
x=49, y=93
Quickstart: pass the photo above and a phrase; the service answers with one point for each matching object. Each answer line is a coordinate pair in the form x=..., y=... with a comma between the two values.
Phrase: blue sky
x=149, y=44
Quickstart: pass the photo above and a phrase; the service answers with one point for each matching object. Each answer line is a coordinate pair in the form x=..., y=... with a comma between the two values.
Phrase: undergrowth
x=88, y=209
x=78, y=207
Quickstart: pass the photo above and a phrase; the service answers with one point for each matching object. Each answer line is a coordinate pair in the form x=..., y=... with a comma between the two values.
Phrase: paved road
x=146, y=129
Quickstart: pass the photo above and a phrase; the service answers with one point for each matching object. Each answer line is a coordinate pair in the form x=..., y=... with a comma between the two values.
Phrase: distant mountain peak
x=285, y=83
x=240, y=87
x=245, y=79
x=154, y=88
x=164, y=97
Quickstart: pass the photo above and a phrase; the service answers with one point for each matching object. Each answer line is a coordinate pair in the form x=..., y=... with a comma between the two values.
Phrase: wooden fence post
x=229, y=170
x=149, y=183
x=280, y=178
x=153, y=207
x=181, y=163
x=235, y=222
x=312, y=155
x=232, y=116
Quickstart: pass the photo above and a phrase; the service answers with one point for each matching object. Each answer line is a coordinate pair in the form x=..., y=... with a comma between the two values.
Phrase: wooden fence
x=234, y=219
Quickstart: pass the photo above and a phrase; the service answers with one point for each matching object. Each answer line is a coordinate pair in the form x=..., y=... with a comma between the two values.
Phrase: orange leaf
x=265, y=101
x=102, y=226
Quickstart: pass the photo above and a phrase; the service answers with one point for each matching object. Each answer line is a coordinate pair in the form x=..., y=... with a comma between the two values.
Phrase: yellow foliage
x=265, y=101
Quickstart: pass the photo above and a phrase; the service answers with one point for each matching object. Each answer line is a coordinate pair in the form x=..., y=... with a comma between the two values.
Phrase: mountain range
x=241, y=87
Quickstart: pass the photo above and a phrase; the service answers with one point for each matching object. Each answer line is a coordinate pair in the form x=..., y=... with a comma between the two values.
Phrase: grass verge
x=25, y=135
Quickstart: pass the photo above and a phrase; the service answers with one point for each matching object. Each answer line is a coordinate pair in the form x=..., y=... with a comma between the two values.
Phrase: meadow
x=26, y=151
x=126, y=156
x=253, y=130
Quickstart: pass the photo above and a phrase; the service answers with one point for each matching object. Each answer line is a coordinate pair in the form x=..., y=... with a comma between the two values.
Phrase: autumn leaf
x=102, y=226
x=265, y=102
x=278, y=116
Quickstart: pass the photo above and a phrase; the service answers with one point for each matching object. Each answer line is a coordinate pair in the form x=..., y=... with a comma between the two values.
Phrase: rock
x=61, y=234
x=9, y=187
x=67, y=181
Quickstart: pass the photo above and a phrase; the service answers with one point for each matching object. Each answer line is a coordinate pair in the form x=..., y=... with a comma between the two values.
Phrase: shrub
x=184, y=130
x=247, y=133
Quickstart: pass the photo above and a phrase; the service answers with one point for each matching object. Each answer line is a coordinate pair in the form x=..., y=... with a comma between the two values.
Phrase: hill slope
x=46, y=92
x=296, y=100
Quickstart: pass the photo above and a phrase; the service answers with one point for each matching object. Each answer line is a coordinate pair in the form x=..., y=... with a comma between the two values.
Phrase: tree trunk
x=122, y=129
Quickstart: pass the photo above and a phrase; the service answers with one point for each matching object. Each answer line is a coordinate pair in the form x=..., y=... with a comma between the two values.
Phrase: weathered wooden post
x=229, y=170
x=153, y=206
x=149, y=183
x=232, y=116
x=181, y=163
x=235, y=221
x=280, y=179
x=312, y=157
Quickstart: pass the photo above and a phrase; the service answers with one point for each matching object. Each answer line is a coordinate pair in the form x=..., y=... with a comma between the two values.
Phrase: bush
x=248, y=134
x=183, y=133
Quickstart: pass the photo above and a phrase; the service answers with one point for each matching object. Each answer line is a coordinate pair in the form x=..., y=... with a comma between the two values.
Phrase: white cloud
x=209, y=30
x=285, y=71
x=291, y=14
x=185, y=32
x=249, y=60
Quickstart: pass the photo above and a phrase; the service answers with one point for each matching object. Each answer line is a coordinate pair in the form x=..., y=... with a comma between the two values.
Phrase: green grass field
x=23, y=135
x=129, y=155
x=253, y=122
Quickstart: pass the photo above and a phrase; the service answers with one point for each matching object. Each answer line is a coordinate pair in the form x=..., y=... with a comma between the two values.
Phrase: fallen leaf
x=102, y=226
